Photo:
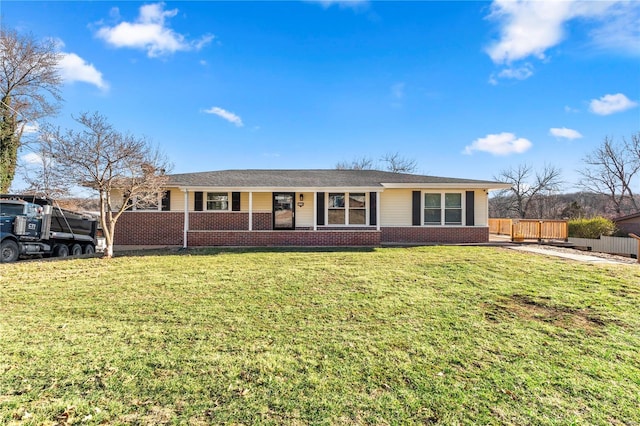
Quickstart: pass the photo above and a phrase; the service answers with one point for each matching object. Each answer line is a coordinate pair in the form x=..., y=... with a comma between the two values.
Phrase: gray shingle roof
x=309, y=179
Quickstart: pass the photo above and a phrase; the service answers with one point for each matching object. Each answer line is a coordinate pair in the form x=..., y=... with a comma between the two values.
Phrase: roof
x=627, y=217
x=330, y=178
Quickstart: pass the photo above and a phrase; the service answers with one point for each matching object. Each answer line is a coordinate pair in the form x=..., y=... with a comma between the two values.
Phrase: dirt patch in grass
x=529, y=309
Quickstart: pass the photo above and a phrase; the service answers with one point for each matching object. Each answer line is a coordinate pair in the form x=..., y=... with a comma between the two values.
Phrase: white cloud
x=30, y=128
x=531, y=27
x=32, y=159
x=610, y=104
x=499, y=144
x=342, y=3
x=563, y=132
x=150, y=32
x=620, y=31
x=517, y=73
x=397, y=90
x=74, y=68
x=568, y=109
x=229, y=116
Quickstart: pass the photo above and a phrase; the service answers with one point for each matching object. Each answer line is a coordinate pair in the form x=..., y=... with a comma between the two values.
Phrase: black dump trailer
x=31, y=225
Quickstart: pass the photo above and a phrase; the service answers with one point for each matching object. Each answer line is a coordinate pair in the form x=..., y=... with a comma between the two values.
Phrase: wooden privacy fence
x=530, y=229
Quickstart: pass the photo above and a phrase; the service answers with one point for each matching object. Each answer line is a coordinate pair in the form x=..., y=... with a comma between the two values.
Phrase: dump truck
x=32, y=225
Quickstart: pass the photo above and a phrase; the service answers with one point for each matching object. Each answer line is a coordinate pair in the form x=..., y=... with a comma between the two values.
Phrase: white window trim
x=347, y=208
x=206, y=203
x=443, y=208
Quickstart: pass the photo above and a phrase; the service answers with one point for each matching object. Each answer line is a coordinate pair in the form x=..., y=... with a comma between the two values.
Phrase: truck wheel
x=89, y=249
x=76, y=250
x=61, y=251
x=9, y=251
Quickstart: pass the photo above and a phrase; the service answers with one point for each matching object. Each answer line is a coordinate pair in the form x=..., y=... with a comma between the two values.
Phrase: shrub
x=591, y=228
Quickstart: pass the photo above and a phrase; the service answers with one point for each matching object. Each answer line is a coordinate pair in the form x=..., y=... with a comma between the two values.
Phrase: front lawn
x=449, y=335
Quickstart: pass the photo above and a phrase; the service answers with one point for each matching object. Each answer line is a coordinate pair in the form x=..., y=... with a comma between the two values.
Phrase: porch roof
x=318, y=178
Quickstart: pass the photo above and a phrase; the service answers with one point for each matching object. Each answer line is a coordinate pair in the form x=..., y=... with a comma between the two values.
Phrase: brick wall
x=150, y=228
x=284, y=238
x=447, y=235
x=228, y=229
x=228, y=221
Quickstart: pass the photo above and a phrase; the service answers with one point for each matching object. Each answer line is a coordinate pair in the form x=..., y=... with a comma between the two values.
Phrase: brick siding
x=284, y=238
x=149, y=228
x=228, y=221
x=445, y=235
x=230, y=229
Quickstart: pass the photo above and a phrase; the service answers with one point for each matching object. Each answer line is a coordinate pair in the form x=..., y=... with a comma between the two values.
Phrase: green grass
x=442, y=335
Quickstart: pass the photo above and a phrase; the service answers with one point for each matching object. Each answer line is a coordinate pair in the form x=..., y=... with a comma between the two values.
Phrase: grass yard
x=441, y=335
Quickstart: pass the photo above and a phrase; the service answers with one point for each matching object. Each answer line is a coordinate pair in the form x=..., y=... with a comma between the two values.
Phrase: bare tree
x=124, y=169
x=398, y=164
x=391, y=162
x=610, y=170
x=362, y=163
x=527, y=186
x=42, y=177
x=29, y=90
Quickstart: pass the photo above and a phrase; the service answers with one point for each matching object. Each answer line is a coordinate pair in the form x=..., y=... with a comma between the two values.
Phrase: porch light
x=301, y=197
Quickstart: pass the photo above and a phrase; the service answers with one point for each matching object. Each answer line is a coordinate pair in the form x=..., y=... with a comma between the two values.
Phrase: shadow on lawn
x=213, y=251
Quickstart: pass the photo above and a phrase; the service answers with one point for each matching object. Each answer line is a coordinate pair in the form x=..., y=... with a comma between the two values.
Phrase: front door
x=284, y=210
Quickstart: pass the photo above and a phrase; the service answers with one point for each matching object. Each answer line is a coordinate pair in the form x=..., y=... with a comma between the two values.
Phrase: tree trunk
x=8, y=146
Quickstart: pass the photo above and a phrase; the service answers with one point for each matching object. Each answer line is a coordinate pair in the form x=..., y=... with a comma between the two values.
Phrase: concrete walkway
x=566, y=255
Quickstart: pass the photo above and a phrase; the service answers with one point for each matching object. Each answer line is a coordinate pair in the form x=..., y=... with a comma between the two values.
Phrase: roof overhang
x=185, y=188
x=461, y=185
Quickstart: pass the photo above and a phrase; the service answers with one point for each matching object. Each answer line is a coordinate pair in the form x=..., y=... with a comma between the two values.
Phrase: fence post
x=539, y=229
x=638, y=239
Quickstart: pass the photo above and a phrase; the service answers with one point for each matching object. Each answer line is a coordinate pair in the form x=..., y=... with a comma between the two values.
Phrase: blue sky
x=465, y=88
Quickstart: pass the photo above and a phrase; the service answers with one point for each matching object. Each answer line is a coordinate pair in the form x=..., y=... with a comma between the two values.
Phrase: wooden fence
x=530, y=229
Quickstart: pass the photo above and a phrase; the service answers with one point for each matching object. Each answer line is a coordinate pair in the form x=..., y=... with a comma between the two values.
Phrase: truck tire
x=61, y=250
x=9, y=251
x=76, y=250
x=89, y=249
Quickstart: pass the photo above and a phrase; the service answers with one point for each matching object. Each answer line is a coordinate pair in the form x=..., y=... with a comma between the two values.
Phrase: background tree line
x=608, y=176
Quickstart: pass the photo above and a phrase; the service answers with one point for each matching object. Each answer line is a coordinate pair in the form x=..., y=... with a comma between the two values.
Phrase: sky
x=466, y=88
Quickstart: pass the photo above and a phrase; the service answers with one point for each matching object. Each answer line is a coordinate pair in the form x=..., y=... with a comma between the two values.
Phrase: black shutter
x=235, y=201
x=373, y=208
x=469, y=208
x=197, y=201
x=416, y=209
x=320, y=208
x=166, y=201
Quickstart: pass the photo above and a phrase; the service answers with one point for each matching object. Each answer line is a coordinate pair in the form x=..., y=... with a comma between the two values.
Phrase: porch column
x=378, y=211
x=186, y=218
x=315, y=210
x=250, y=211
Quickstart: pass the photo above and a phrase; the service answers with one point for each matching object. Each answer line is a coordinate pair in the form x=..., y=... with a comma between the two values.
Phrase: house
x=311, y=208
x=628, y=224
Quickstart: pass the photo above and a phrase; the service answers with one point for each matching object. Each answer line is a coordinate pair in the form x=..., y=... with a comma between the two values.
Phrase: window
x=453, y=209
x=432, y=209
x=217, y=201
x=336, y=209
x=443, y=208
x=357, y=209
x=347, y=208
